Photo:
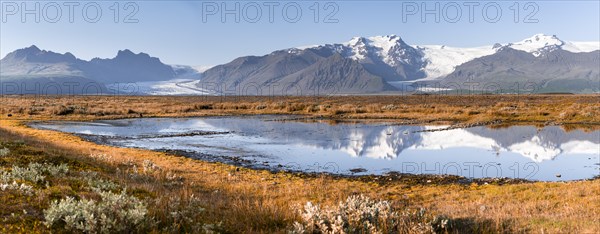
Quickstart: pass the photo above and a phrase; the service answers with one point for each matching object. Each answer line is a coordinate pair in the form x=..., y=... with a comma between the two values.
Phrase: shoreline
x=254, y=165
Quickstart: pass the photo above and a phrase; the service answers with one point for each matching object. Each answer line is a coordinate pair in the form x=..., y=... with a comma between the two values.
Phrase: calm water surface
x=261, y=141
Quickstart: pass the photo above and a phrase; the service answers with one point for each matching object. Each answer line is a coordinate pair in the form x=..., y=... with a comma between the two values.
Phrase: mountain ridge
x=362, y=65
x=395, y=61
x=31, y=67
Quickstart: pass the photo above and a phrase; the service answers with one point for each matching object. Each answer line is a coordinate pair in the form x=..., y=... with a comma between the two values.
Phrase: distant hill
x=31, y=70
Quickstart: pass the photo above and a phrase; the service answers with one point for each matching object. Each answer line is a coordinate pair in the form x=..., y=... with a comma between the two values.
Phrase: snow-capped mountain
x=545, y=61
x=538, y=44
x=320, y=71
x=436, y=61
x=510, y=70
x=381, y=52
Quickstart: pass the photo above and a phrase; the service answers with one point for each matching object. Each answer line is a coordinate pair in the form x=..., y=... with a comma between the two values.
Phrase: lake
x=272, y=142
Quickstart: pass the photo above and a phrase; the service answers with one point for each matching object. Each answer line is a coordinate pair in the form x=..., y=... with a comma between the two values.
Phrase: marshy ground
x=186, y=195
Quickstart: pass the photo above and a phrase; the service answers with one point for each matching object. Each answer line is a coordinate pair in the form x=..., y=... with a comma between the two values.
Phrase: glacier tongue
x=168, y=87
x=441, y=60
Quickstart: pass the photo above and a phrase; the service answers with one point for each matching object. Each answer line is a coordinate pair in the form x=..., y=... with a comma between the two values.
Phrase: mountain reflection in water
x=516, y=151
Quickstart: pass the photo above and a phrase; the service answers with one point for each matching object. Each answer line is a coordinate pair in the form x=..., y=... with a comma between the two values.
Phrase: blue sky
x=193, y=33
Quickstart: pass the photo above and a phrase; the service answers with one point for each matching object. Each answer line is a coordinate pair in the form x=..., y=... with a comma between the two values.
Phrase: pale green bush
x=212, y=228
x=31, y=173
x=5, y=176
x=34, y=172
x=56, y=170
x=98, y=184
x=180, y=211
x=23, y=188
x=102, y=185
x=113, y=213
x=4, y=152
x=360, y=214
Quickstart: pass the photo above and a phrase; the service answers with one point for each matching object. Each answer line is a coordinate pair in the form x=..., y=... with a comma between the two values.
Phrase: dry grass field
x=186, y=195
x=540, y=109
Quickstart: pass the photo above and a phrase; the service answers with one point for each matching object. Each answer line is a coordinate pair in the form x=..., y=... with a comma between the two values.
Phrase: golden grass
x=543, y=109
x=248, y=201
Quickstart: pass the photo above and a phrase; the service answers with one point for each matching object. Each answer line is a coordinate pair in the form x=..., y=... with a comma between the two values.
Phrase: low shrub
x=113, y=213
x=389, y=107
x=4, y=152
x=63, y=110
x=97, y=184
x=260, y=107
x=23, y=188
x=360, y=214
x=34, y=172
x=179, y=214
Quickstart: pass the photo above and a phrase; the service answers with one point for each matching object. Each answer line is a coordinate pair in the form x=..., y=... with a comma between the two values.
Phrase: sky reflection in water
x=517, y=151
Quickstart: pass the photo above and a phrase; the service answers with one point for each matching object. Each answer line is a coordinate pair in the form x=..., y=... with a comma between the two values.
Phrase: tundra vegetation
x=56, y=182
